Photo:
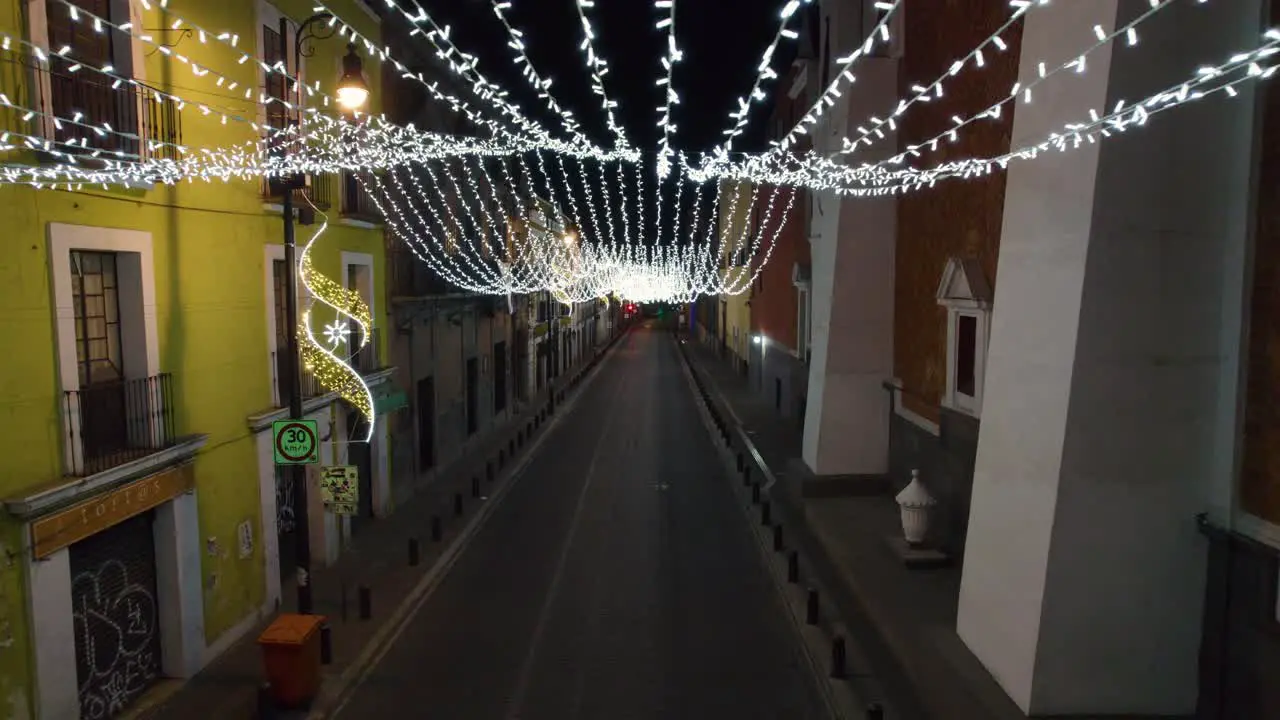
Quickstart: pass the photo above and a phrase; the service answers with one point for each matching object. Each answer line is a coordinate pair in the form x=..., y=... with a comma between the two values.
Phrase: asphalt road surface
x=616, y=580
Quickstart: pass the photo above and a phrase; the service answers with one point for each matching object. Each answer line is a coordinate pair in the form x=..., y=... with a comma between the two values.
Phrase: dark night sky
x=722, y=42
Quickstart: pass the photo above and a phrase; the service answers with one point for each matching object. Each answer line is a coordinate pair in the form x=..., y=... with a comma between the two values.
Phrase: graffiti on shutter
x=117, y=634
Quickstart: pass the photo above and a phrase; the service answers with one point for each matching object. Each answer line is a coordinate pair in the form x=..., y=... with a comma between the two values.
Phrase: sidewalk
x=904, y=619
x=377, y=559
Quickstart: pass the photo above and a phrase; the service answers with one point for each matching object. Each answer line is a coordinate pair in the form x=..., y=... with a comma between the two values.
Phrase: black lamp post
x=352, y=93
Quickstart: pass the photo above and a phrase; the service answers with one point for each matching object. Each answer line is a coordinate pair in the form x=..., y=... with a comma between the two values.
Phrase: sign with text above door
x=61, y=529
x=296, y=442
x=340, y=489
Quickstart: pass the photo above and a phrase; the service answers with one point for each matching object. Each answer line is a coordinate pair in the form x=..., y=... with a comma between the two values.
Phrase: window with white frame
x=79, y=33
x=277, y=279
x=114, y=399
x=966, y=295
x=275, y=48
x=800, y=277
x=359, y=272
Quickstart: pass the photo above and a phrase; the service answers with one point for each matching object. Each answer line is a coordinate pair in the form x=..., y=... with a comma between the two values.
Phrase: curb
x=853, y=691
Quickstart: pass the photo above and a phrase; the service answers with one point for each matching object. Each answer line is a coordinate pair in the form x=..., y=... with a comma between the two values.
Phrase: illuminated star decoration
x=336, y=333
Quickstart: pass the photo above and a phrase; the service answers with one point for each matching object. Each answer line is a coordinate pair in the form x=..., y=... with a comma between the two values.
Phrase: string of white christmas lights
x=670, y=98
x=764, y=73
x=597, y=68
x=1019, y=91
x=540, y=85
x=879, y=34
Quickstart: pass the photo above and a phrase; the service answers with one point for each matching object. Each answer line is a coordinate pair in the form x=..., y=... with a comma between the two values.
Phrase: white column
x=269, y=536
x=846, y=425
x=1083, y=572
x=53, y=636
x=178, y=584
x=381, y=468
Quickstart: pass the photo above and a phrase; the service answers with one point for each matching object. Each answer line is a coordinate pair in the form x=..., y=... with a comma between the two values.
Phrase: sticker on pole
x=340, y=489
x=295, y=442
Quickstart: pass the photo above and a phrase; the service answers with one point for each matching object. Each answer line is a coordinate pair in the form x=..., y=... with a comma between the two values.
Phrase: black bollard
x=511, y=447
x=746, y=475
x=837, y=657
x=793, y=567
x=741, y=463
x=488, y=471
x=765, y=514
x=475, y=487
x=755, y=493
x=457, y=504
x=777, y=537
x=326, y=644
x=366, y=602
x=266, y=703
x=437, y=533
x=414, y=555
x=811, y=608
x=875, y=711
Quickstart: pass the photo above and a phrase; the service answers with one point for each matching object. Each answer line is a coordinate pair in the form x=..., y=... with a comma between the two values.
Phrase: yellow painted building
x=140, y=371
x=735, y=223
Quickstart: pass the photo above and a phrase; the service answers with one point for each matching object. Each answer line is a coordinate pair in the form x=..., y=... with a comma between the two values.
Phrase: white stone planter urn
x=915, y=502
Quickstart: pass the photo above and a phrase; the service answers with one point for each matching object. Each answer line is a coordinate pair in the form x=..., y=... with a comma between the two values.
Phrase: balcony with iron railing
x=91, y=115
x=356, y=203
x=410, y=277
x=318, y=191
x=280, y=376
x=109, y=424
x=367, y=359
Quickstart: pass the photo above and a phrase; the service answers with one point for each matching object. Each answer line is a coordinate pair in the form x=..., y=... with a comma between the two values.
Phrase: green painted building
x=142, y=364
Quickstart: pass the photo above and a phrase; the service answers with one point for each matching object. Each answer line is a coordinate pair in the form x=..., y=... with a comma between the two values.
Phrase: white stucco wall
x=846, y=425
x=1110, y=373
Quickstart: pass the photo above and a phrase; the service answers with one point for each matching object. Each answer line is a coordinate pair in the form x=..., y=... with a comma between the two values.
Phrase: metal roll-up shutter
x=117, y=625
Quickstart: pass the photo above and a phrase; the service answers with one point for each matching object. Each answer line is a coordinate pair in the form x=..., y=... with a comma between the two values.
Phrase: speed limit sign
x=295, y=442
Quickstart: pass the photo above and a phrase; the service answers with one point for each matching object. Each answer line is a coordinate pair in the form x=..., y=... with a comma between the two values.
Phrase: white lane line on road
x=553, y=591
x=332, y=704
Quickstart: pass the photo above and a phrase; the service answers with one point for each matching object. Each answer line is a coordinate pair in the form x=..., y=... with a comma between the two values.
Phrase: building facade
x=1075, y=353
x=781, y=341
x=734, y=311
x=138, y=480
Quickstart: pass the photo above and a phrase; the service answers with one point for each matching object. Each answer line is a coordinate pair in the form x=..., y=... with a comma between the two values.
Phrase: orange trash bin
x=291, y=658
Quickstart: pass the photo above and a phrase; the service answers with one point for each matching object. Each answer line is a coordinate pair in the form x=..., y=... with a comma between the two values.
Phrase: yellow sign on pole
x=340, y=489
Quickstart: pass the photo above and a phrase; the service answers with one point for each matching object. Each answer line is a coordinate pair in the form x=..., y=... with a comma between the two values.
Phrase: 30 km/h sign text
x=296, y=442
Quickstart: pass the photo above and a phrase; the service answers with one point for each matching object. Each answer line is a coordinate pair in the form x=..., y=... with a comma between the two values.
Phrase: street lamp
x=353, y=92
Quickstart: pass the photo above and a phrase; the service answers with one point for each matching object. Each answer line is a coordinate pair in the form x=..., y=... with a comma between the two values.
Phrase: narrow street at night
x=616, y=579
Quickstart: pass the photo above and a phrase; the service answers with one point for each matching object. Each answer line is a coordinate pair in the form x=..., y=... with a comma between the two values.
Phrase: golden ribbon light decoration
x=335, y=373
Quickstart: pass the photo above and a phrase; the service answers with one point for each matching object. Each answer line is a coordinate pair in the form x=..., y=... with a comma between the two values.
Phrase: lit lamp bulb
x=352, y=91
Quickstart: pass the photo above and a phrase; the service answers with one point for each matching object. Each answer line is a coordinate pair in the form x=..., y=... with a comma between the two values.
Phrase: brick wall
x=774, y=309
x=774, y=303
x=955, y=218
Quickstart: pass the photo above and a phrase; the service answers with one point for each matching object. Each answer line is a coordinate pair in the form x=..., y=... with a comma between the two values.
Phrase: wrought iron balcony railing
x=368, y=358
x=280, y=387
x=356, y=203
x=87, y=114
x=110, y=424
